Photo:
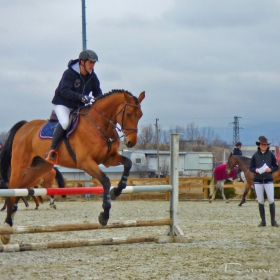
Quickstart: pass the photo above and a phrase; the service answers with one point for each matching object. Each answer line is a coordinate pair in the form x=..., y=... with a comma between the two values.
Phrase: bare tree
x=146, y=137
x=164, y=167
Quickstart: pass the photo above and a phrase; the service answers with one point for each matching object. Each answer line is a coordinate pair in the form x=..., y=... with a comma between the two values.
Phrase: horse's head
x=129, y=117
x=231, y=163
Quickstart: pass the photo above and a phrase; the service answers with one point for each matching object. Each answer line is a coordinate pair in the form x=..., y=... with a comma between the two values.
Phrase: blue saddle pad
x=47, y=130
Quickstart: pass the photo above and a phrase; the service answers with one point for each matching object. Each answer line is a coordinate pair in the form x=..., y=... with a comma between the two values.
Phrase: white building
x=145, y=163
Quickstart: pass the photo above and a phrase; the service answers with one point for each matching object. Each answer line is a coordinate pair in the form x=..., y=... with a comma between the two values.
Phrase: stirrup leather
x=56, y=156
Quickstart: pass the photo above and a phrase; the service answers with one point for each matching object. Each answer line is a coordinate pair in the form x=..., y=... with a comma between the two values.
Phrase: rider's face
x=87, y=66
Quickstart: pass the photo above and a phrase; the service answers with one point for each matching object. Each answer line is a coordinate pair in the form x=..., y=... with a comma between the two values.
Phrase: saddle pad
x=46, y=132
x=221, y=174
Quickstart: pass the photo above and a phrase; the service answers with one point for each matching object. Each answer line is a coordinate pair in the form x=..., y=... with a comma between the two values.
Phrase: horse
x=219, y=176
x=95, y=140
x=45, y=181
x=244, y=164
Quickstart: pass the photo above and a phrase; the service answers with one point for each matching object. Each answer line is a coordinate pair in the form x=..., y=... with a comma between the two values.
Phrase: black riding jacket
x=72, y=85
x=258, y=160
x=237, y=152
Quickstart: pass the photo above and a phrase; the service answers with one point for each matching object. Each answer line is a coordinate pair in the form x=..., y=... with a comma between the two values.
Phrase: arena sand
x=226, y=243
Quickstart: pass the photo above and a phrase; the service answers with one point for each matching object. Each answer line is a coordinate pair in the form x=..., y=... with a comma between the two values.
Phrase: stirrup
x=51, y=160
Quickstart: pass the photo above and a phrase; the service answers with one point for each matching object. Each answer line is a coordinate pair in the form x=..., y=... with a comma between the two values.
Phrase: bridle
x=115, y=127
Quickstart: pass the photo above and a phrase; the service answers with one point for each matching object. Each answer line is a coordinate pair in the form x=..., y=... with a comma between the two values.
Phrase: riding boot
x=262, y=214
x=57, y=137
x=272, y=214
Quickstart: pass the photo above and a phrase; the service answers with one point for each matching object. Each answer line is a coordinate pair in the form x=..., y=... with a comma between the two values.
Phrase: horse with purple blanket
x=219, y=177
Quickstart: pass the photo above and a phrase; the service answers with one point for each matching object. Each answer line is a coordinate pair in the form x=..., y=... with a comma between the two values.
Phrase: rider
x=73, y=90
x=237, y=152
x=237, y=149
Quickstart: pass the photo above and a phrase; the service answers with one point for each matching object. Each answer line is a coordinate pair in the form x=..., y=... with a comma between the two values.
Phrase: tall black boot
x=57, y=137
x=262, y=214
x=272, y=214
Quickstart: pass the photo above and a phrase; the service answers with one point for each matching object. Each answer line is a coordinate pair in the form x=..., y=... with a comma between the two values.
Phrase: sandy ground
x=226, y=243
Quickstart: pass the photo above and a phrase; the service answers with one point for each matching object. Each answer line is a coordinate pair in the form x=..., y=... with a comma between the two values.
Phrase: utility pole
x=236, y=130
x=158, y=167
x=84, y=25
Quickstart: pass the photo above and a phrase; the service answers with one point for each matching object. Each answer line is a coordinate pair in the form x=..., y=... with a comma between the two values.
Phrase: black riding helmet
x=238, y=144
x=88, y=55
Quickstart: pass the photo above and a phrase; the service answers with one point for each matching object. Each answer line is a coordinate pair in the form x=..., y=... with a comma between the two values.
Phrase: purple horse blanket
x=221, y=174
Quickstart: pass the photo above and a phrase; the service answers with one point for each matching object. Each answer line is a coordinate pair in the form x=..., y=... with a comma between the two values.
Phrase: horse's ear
x=141, y=96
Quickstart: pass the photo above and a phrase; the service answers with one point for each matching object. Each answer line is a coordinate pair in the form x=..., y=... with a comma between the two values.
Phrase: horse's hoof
x=112, y=194
x=54, y=207
x=36, y=208
x=227, y=201
x=102, y=220
x=210, y=200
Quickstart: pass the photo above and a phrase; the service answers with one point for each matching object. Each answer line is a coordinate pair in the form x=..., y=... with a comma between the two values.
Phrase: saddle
x=46, y=132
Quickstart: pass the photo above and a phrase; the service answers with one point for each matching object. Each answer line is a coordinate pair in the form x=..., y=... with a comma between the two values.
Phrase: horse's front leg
x=12, y=206
x=106, y=205
x=222, y=192
x=115, y=192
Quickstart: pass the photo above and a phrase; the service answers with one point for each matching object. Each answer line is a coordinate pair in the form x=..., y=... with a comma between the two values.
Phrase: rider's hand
x=86, y=99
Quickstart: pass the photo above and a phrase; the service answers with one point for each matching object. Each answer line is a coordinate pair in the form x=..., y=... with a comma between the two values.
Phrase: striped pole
x=74, y=191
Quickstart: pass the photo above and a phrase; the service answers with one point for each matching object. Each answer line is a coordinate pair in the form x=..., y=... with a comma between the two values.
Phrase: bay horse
x=219, y=177
x=45, y=181
x=95, y=140
x=244, y=164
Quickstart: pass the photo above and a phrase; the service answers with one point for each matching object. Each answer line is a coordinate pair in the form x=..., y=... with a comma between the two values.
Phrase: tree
x=164, y=167
x=146, y=137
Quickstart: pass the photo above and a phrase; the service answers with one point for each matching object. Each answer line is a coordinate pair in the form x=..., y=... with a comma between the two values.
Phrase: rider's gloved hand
x=85, y=99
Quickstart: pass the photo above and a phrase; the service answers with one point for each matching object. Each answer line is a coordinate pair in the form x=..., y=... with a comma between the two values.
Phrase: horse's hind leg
x=5, y=205
x=243, y=200
x=24, y=201
x=115, y=192
x=52, y=203
x=11, y=211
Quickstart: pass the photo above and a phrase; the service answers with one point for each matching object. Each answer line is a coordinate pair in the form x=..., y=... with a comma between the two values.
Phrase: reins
x=111, y=140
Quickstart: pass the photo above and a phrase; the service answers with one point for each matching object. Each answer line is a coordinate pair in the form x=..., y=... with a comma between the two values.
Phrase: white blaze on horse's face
x=131, y=115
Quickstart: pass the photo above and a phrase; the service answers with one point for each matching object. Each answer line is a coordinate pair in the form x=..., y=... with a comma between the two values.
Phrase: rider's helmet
x=88, y=55
x=238, y=144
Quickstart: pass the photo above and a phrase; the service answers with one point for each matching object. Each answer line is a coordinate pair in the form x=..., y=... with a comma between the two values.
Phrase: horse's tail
x=212, y=184
x=6, y=152
x=59, y=179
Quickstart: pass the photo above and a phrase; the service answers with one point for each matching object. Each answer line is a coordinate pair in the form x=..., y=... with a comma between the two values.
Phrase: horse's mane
x=116, y=91
x=243, y=158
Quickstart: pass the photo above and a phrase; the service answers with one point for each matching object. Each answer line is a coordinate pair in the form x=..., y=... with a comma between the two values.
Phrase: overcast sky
x=199, y=61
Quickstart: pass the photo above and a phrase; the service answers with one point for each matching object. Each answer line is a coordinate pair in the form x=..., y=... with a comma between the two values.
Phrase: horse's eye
x=127, y=114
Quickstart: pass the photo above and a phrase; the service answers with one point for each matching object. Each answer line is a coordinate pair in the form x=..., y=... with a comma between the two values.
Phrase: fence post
x=205, y=190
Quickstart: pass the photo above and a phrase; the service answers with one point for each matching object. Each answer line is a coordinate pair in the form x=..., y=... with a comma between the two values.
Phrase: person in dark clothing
x=237, y=152
x=263, y=165
x=237, y=149
x=73, y=91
